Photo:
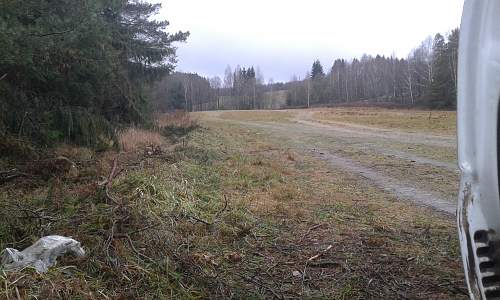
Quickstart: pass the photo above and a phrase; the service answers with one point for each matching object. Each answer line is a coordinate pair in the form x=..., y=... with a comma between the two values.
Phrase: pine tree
x=74, y=68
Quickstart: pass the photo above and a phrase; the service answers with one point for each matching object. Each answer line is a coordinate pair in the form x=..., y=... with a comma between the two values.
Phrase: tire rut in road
x=414, y=138
x=402, y=191
x=294, y=129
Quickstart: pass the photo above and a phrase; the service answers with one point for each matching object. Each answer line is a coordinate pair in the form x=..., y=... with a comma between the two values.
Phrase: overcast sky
x=284, y=37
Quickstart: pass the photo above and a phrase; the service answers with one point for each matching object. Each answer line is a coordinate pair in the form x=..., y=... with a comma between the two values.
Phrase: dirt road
x=411, y=166
x=382, y=196
x=302, y=204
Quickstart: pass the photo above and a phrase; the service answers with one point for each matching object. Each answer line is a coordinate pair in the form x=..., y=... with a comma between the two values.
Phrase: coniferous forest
x=74, y=70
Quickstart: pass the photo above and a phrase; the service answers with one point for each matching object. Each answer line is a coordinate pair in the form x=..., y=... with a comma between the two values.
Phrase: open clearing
x=252, y=205
x=412, y=164
x=373, y=186
x=438, y=122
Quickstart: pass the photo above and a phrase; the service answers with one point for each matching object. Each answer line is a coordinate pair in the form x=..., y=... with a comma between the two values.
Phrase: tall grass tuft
x=175, y=125
x=134, y=139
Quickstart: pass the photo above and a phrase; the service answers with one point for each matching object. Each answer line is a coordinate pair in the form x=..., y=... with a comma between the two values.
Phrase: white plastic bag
x=42, y=254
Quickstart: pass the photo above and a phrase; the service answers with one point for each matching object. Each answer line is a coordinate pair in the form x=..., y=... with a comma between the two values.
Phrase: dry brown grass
x=232, y=214
x=413, y=120
x=175, y=119
x=74, y=152
x=134, y=139
x=261, y=115
x=11, y=146
x=303, y=206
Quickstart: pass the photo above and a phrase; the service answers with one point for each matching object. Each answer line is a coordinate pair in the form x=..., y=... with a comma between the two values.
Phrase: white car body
x=478, y=211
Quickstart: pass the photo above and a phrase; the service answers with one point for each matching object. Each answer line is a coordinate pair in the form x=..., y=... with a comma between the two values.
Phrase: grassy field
x=409, y=120
x=438, y=122
x=224, y=211
x=266, y=116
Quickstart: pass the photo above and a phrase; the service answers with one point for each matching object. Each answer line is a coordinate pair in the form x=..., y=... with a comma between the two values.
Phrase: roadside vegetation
x=97, y=143
x=220, y=211
x=120, y=205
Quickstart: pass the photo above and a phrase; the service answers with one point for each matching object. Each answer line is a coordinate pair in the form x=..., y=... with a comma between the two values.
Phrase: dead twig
x=216, y=217
x=113, y=171
x=320, y=254
x=310, y=260
x=37, y=214
x=145, y=228
x=18, y=295
x=199, y=220
x=324, y=264
x=8, y=175
x=135, y=250
x=108, y=243
x=311, y=229
x=262, y=285
x=109, y=197
x=108, y=182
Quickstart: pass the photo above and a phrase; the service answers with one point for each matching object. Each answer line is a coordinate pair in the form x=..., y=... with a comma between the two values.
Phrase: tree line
x=74, y=70
x=185, y=91
x=426, y=77
x=244, y=88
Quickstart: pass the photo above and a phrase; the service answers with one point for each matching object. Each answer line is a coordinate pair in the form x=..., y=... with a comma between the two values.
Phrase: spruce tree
x=317, y=70
x=438, y=96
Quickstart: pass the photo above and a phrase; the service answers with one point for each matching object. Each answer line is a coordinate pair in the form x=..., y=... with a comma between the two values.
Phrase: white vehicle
x=478, y=211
